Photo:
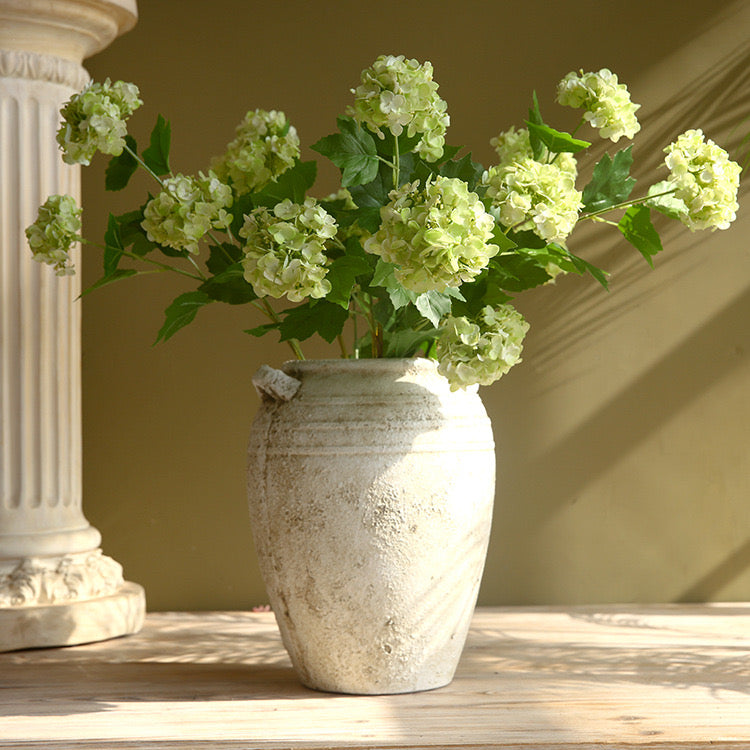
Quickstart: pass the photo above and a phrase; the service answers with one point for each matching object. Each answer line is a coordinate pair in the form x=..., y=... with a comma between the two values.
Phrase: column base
x=74, y=622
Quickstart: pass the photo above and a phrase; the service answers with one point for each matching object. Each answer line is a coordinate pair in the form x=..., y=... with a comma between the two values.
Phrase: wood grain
x=583, y=677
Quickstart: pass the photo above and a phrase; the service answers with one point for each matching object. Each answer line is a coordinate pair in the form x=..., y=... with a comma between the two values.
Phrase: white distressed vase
x=371, y=488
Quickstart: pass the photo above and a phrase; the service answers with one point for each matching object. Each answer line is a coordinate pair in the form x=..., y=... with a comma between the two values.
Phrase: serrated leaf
x=583, y=266
x=353, y=151
x=121, y=168
x=292, y=184
x=433, y=306
x=117, y=275
x=229, y=286
x=180, y=312
x=322, y=317
x=113, y=247
x=262, y=330
x=464, y=169
x=342, y=275
x=502, y=240
x=610, y=182
x=406, y=343
x=156, y=155
x=535, y=116
x=385, y=276
x=638, y=230
x=222, y=257
x=556, y=141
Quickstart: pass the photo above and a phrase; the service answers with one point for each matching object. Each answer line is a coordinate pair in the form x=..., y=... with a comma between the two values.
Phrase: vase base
x=72, y=623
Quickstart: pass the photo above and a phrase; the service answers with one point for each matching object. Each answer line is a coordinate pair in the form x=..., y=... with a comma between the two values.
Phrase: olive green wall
x=622, y=440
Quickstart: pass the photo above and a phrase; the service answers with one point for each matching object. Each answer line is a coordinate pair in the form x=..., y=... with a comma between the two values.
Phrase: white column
x=56, y=586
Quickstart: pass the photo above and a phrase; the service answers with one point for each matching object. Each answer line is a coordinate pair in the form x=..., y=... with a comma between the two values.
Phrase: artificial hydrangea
x=530, y=195
x=186, y=209
x=606, y=102
x=438, y=236
x=264, y=147
x=285, y=250
x=397, y=94
x=515, y=145
x=54, y=231
x=704, y=180
x=94, y=120
x=480, y=351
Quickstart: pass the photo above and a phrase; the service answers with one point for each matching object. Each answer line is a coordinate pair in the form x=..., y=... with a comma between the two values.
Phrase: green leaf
x=156, y=155
x=181, y=312
x=353, y=151
x=464, y=169
x=220, y=258
x=406, y=343
x=535, y=116
x=663, y=200
x=583, y=266
x=113, y=247
x=292, y=184
x=121, y=168
x=638, y=230
x=229, y=286
x=610, y=182
x=117, y=275
x=555, y=140
x=342, y=275
x=262, y=330
x=385, y=277
x=502, y=240
x=434, y=305
x=317, y=316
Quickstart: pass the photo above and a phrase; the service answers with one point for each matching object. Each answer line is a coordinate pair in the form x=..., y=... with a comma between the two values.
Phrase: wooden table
x=576, y=677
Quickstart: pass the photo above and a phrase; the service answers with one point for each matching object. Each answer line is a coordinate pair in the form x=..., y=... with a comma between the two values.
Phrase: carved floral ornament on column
x=419, y=253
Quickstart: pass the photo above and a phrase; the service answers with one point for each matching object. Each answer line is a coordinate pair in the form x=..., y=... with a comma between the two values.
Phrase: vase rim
x=391, y=365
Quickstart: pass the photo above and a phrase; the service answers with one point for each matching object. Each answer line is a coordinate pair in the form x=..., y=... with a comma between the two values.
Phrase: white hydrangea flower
x=438, y=236
x=94, y=120
x=480, y=351
x=264, y=147
x=285, y=250
x=54, y=232
x=531, y=195
x=705, y=180
x=398, y=94
x=606, y=102
x=514, y=146
x=186, y=209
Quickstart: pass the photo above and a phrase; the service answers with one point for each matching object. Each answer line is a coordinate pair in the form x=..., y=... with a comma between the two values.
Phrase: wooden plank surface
x=583, y=677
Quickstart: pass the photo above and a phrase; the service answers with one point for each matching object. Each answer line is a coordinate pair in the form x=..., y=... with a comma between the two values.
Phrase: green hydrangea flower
x=438, y=236
x=186, y=209
x=513, y=146
x=481, y=351
x=705, y=180
x=94, y=120
x=398, y=94
x=54, y=232
x=264, y=147
x=606, y=102
x=285, y=250
x=530, y=195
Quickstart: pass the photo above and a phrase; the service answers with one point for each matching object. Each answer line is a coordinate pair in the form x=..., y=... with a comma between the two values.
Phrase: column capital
x=68, y=29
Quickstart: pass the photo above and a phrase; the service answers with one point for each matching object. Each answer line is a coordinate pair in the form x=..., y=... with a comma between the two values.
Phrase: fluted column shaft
x=56, y=586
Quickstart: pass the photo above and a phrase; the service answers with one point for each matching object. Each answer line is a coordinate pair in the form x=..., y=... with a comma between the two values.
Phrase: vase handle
x=274, y=385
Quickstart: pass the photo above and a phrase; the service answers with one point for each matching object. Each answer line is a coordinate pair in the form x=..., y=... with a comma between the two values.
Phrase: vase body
x=370, y=493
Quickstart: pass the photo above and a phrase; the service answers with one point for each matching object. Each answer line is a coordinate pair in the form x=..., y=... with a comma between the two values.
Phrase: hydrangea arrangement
x=420, y=252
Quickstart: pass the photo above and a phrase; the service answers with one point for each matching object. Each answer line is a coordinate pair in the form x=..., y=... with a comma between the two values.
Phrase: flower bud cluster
x=606, y=102
x=515, y=146
x=285, y=250
x=530, y=195
x=706, y=181
x=438, y=236
x=398, y=94
x=480, y=351
x=264, y=147
x=94, y=120
x=186, y=209
x=54, y=231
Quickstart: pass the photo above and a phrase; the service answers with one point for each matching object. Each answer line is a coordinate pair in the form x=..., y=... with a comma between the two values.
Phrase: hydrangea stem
x=625, y=204
x=396, y=163
x=262, y=304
